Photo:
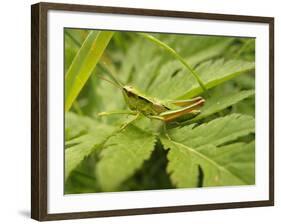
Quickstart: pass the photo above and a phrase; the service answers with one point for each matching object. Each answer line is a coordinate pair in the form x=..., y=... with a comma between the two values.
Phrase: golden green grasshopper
x=169, y=111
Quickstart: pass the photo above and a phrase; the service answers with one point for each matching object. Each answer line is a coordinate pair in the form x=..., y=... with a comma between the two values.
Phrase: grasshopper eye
x=128, y=88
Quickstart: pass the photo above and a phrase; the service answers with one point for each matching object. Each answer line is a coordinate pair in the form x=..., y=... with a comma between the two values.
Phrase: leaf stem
x=209, y=160
x=177, y=56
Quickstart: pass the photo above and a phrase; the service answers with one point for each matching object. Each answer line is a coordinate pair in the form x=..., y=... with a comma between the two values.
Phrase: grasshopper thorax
x=130, y=94
x=139, y=102
x=129, y=90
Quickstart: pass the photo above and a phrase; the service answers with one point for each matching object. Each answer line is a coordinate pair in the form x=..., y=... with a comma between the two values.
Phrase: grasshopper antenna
x=99, y=76
x=110, y=73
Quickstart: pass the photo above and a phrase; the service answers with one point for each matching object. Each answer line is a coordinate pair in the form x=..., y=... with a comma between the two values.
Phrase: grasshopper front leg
x=122, y=112
x=118, y=112
x=130, y=121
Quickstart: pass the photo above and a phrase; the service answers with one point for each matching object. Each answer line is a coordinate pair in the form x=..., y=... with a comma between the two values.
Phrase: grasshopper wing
x=191, y=109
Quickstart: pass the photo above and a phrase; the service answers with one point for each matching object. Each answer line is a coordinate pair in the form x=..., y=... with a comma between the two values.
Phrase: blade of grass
x=84, y=63
x=177, y=56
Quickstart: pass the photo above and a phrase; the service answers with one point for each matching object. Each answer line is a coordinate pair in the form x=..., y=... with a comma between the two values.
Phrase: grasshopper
x=171, y=111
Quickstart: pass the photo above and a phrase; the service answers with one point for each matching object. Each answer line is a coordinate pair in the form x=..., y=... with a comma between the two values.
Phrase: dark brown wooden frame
x=39, y=110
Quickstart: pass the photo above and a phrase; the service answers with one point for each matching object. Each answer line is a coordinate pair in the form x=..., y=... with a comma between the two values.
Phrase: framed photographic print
x=139, y=111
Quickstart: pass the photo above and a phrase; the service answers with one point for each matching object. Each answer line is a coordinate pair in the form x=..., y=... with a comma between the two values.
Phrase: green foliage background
x=216, y=148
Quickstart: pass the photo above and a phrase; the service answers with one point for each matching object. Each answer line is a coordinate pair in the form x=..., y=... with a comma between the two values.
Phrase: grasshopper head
x=128, y=88
x=129, y=91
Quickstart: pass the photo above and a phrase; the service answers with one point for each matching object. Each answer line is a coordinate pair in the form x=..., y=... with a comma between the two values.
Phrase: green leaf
x=76, y=125
x=242, y=157
x=84, y=63
x=218, y=131
x=173, y=83
x=190, y=45
x=218, y=72
x=141, y=69
x=122, y=155
x=204, y=147
x=78, y=148
x=220, y=102
x=133, y=63
x=144, y=77
x=208, y=49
